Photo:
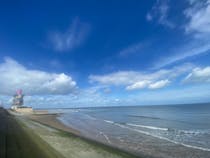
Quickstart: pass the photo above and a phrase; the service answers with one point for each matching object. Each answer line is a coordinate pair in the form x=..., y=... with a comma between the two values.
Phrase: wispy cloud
x=133, y=49
x=132, y=80
x=198, y=17
x=55, y=63
x=197, y=28
x=73, y=37
x=191, y=49
x=159, y=13
x=14, y=76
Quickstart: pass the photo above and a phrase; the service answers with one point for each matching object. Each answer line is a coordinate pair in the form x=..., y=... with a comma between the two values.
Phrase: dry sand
x=52, y=121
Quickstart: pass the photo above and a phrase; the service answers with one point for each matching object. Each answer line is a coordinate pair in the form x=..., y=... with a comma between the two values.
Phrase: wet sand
x=67, y=141
x=52, y=121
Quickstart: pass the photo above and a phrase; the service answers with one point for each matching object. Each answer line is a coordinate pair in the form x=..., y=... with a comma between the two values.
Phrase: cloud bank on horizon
x=43, y=88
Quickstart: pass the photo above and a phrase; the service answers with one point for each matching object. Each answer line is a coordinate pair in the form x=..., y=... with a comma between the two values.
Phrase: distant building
x=18, y=103
x=18, y=99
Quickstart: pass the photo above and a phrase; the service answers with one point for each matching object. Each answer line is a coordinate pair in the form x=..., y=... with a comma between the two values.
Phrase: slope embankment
x=17, y=141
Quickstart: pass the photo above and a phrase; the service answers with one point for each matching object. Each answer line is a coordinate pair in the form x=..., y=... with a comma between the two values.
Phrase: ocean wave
x=90, y=117
x=163, y=138
x=148, y=127
x=194, y=132
x=129, y=127
x=141, y=116
x=109, y=121
x=156, y=118
x=135, y=125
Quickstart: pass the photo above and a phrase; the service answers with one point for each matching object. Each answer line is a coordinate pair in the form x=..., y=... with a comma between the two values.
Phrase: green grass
x=17, y=141
x=96, y=145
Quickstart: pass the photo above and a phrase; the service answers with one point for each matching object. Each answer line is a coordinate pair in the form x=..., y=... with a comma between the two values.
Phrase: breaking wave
x=109, y=121
x=148, y=127
x=129, y=127
x=141, y=116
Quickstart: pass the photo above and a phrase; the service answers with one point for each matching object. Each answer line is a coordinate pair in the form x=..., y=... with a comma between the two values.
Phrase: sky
x=105, y=53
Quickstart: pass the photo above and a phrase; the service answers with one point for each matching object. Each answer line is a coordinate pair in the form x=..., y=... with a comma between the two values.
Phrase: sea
x=145, y=129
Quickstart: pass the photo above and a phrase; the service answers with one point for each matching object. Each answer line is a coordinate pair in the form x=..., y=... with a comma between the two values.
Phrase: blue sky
x=105, y=53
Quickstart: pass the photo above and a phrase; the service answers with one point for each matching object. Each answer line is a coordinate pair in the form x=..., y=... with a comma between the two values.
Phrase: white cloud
x=138, y=85
x=70, y=39
x=148, y=84
x=200, y=75
x=88, y=98
x=198, y=15
x=15, y=76
x=137, y=80
x=159, y=84
x=160, y=12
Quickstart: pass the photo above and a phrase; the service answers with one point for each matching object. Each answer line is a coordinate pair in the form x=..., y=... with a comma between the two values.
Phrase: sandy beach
x=66, y=141
x=52, y=121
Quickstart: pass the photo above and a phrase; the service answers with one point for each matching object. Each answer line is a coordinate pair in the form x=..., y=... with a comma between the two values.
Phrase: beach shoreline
x=50, y=121
x=148, y=146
